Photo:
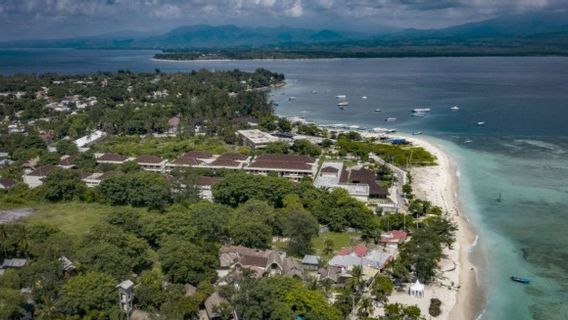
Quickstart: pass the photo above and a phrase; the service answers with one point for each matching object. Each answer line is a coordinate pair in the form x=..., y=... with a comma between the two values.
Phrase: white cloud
x=296, y=10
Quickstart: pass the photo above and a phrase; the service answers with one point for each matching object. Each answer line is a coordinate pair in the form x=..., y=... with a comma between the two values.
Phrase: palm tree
x=366, y=307
x=23, y=240
x=3, y=239
x=47, y=310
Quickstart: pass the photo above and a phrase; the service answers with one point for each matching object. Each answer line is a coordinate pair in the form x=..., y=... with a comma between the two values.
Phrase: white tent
x=417, y=289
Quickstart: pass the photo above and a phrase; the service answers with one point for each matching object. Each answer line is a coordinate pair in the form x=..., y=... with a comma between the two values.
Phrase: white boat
x=416, y=133
x=364, y=97
x=481, y=123
x=455, y=108
x=418, y=114
x=354, y=127
x=467, y=141
x=422, y=110
x=390, y=119
x=343, y=104
x=341, y=96
x=378, y=110
x=314, y=92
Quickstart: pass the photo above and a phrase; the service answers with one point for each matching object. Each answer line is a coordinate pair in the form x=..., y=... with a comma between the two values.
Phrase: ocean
x=521, y=152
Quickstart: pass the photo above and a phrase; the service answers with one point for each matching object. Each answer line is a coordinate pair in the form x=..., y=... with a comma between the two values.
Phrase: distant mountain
x=539, y=29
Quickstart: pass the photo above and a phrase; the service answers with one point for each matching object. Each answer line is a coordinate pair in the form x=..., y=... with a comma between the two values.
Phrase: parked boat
x=421, y=110
x=390, y=119
x=378, y=110
x=291, y=98
x=467, y=141
x=481, y=123
x=520, y=279
x=364, y=97
x=343, y=104
x=341, y=96
x=384, y=130
x=419, y=114
x=314, y=92
x=455, y=108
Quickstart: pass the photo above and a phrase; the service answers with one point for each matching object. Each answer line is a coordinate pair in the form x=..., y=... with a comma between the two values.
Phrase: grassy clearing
x=340, y=240
x=73, y=218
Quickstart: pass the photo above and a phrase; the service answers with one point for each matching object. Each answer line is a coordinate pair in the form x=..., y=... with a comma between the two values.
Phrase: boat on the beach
x=481, y=123
x=378, y=110
x=340, y=96
x=421, y=110
x=390, y=119
x=520, y=279
x=455, y=108
x=343, y=104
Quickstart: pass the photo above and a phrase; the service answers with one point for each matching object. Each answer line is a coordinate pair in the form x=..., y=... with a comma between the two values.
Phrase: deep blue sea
x=520, y=152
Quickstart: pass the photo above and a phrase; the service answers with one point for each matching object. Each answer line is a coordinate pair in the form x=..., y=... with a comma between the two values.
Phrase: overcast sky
x=35, y=19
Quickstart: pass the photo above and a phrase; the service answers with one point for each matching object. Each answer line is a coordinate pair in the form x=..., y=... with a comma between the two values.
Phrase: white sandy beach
x=457, y=288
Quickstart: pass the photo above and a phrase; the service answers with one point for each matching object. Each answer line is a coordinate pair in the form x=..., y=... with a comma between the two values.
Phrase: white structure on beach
x=417, y=289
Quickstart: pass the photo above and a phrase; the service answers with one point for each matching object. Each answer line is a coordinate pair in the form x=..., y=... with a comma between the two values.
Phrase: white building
x=256, y=139
x=35, y=178
x=89, y=139
x=288, y=166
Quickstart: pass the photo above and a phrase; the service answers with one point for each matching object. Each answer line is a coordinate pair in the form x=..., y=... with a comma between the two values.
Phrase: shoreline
x=440, y=185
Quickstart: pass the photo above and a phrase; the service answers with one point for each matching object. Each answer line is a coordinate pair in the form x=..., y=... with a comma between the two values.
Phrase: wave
x=542, y=145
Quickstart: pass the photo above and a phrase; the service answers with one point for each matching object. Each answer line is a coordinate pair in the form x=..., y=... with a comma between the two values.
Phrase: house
x=213, y=305
x=173, y=124
x=311, y=262
x=256, y=139
x=293, y=167
x=96, y=178
x=6, y=183
x=110, y=158
x=205, y=184
x=67, y=266
x=360, y=256
x=151, y=163
x=35, y=178
x=359, y=183
x=15, y=263
x=67, y=162
x=89, y=139
x=182, y=162
x=260, y=262
x=393, y=239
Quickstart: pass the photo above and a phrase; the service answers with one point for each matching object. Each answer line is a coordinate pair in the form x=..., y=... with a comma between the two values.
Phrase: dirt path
x=12, y=215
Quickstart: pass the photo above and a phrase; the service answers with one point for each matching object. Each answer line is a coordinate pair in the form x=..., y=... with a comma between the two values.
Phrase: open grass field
x=73, y=218
x=339, y=239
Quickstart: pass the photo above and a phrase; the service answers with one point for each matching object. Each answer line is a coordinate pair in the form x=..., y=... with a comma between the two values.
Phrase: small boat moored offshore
x=421, y=110
x=419, y=114
x=416, y=133
x=378, y=110
x=481, y=123
x=364, y=97
x=291, y=98
x=340, y=96
x=390, y=119
x=343, y=104
x=520, y=279
x=455, y=108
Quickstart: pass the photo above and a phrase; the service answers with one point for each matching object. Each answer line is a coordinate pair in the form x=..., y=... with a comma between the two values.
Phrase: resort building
x=111, y=158
x=360, y=256
x=229, y=160
x=151, y=163
x=393, y=239
x=191, y=159
x=89, y=139
x=205, y=184
x=256, y=139
x=96, y=178
x=293, y=167
x=359, y=183
x=35, y=178
x=67, y=162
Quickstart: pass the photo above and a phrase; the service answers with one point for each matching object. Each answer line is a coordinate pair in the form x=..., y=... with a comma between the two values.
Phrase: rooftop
x=283, y=161
x=149, y=159
x=112, y=157
x=42, y=171
x=258, y=137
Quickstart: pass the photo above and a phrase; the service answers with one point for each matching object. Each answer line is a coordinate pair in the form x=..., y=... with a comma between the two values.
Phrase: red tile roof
x=198, y=154
x=148, y=159
x=42, y=171
x=359, y=250
x=188, y=161
x=206, y=181
x=393, y=236
x=282, y=161
x=112, y=157
x=7, y=183
x=229, y=160
x=67, y=161
x=285, y=157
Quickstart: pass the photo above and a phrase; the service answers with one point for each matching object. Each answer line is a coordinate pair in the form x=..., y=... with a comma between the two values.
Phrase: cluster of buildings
x=258, y=140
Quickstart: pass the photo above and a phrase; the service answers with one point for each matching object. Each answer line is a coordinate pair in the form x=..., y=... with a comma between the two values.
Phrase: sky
x=45, y=19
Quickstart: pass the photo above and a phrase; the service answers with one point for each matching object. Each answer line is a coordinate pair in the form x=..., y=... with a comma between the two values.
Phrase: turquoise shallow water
x=521, y=152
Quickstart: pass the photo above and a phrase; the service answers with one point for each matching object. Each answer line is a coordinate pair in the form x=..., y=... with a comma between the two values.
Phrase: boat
x=343, y=104
x=364, y=97
x=499, y=198
x=455, y=108
x=342, y=108
x=421, y=110
x=467, y=141
x=417, y=133
x=341, y=96
x=390, y=119
x=291, y=98
x=378, y=110
x=520, y=279
x=384, y=130
x=314, y=92
x=419, y=114
x=481, y=123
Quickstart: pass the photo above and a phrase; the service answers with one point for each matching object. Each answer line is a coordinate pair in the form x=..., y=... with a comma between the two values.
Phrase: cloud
x=296, y=10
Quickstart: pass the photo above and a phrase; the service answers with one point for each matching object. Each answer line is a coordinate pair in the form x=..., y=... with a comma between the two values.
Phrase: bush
x=434, y=310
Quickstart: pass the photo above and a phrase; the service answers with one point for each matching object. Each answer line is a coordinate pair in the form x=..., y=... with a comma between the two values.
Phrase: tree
x=279, y=147
x=63, y=185
x=328, y=246
x=140, y=189
x=434, y=309
x=284, y=125
x=382, y=287
x=304, y=147
x=66, y=146
x=253, y=225
x=185, y=262
x=211, y=220
x=12, y=304
x=149, y=293
x=397, y=311
x=10, y=280
x=300, y=226
x=85, y=293
x=129, y=167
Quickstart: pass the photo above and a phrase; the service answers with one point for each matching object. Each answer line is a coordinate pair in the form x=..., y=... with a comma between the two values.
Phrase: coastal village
x=360, y=270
